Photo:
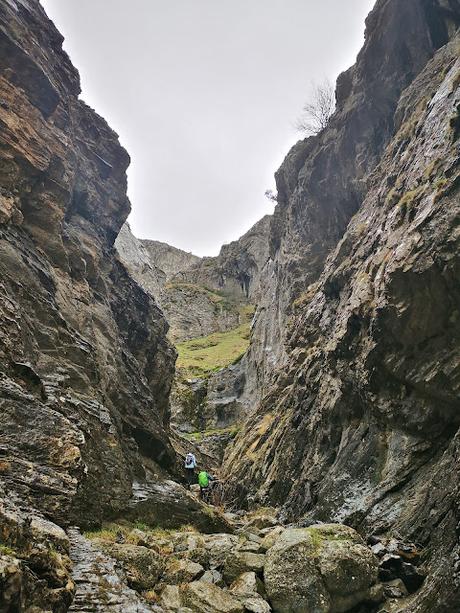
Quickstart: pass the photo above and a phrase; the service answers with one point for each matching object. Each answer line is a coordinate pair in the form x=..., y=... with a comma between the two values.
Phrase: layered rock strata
x=85, y=366
x=361, y=425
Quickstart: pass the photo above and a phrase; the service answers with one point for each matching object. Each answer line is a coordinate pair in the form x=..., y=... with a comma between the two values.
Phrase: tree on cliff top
x=318, y=110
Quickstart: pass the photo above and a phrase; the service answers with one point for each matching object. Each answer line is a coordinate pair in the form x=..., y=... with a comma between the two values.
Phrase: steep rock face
x=168, y=258
x=362, y=424
x=192, y=309
x=200, y=297
x=237, y=269
x=136, y=259
x=321, y=183
x=85, y=367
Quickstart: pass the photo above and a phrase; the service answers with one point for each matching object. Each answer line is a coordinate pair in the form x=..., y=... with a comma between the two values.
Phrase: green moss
x=201, y=356
x=305, y=296
x=409, y=127
x=198, y=437
x=320, y=535
x=111, y=531
x=6, y=551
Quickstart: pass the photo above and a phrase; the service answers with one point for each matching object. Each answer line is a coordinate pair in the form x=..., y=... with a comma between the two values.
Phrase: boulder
x=181, y=571
x=219, y=546
x=239, y=562
x=248, y=584
x=322, y=568
x=249, y=546
x=170, y=598
x=256, y=605
x=264, y=518
x=270, y=537
x=143, y=566
x=213, y=576
x=169, y=505
x=204, y=597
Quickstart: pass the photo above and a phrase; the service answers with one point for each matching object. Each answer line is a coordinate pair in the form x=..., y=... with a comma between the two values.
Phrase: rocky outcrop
x=324, y=568
x=85, y=367
x=236, y=271
x=137, y=260
x=192, y=306
x=322, y=181
x=168, y=258
x=361, y=422
x=200, y=297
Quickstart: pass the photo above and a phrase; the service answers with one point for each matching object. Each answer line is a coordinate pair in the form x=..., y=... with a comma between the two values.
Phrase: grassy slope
x=200, y=356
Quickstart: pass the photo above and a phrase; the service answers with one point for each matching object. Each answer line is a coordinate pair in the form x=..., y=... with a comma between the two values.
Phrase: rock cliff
x=207, y=303
x=85, y=366
x=361, y=425
x=351, y=378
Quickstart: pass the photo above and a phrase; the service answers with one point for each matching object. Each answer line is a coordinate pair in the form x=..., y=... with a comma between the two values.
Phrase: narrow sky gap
x=204, y=96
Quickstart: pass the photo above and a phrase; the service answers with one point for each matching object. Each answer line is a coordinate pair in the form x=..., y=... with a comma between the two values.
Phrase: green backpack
x=203, y=479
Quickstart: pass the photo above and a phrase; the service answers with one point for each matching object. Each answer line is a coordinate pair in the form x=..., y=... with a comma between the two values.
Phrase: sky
x=204, y=95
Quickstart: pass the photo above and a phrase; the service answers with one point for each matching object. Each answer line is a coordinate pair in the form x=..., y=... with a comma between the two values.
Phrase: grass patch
x=197, y=437
x=110, y=532
x=201, y=356
x=6, y=551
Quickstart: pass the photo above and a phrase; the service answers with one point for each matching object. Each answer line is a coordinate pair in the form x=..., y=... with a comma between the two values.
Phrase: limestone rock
x=213, y=576
x=325, y=568
x=143, y=566
x=355, y=342
x=247, y=584
x=79, y=337
x=170, y=599
x=170, y=505
x=256, y=605
x=207, y=598
x=182, y=571
x=239, y=562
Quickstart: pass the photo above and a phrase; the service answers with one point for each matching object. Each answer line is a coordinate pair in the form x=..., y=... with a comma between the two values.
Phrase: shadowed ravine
x=313, y=365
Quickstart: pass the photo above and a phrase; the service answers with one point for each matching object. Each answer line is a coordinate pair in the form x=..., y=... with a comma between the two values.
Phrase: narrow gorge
x=313, y=366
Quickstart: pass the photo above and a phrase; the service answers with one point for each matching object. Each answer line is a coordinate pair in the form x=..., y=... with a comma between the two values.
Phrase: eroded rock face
x=361, y=425
x=85, y=367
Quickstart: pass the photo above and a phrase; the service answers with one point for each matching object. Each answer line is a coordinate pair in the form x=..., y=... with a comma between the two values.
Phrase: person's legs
x=190, y=476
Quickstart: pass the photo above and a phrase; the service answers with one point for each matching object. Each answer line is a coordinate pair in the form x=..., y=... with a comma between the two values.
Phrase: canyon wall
x=361, y=424
x=85, y=366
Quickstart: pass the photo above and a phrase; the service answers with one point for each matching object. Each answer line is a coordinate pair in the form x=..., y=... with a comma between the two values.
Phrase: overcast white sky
x=204, y=95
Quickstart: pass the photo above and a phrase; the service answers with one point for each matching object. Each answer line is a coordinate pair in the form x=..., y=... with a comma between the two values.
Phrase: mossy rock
x=322, y=568
x=143, y=566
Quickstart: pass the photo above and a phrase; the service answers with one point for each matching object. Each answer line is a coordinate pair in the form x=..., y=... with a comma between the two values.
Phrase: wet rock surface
x=360, y=425
x=100, y=584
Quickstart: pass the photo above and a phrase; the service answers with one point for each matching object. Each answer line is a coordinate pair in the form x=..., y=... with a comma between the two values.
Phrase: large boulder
x=219, y=547
x=143, y=566
x=205, y=597
x=181, y=571
x=170, y=598
x=169, y=505
x=239, y=562
x=321, y=569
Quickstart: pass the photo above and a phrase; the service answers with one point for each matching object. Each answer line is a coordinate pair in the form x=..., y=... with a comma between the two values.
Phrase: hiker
x=204, y=481
x=190, y=465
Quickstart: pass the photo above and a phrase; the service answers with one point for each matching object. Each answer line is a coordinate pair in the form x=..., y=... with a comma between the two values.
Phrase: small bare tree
x=271, y=195
x=317, y=112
